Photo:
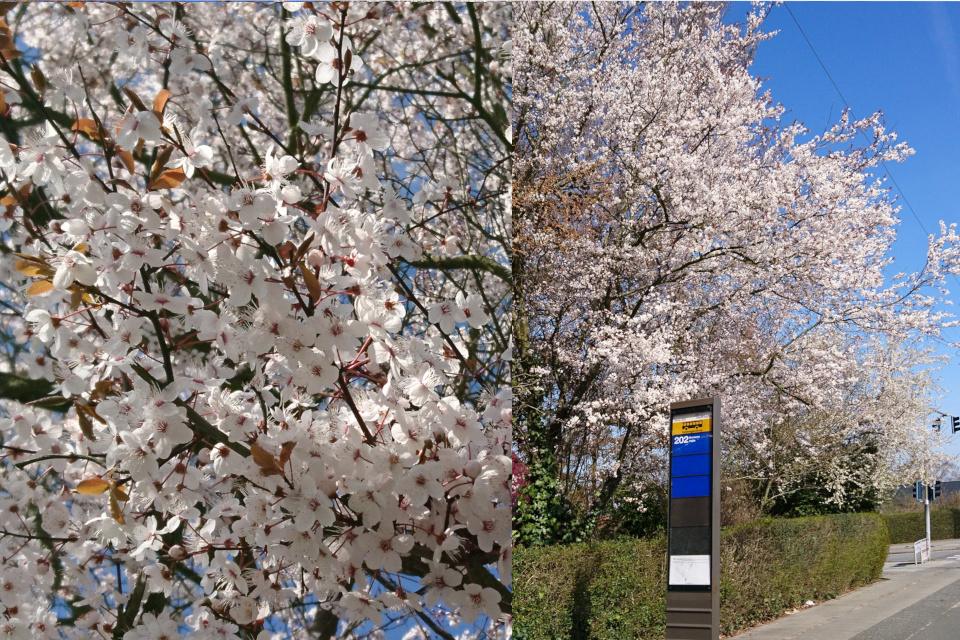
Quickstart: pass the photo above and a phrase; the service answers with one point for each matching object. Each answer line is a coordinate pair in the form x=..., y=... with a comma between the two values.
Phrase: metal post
x=926, y=490
x=693, y=532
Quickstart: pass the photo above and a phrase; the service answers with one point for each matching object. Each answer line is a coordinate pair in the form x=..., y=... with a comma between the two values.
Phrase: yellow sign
x=691, y=424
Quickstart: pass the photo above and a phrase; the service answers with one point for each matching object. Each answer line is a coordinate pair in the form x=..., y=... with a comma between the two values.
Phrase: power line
x=847, y=104
x=850, y=109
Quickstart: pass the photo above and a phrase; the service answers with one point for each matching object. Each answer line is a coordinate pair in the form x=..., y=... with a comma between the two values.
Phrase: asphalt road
x=911, y=602
x=898, y=558
x=936, y=617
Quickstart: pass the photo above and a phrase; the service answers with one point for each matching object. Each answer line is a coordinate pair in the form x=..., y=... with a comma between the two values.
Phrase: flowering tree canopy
x=676, y=239
x=256, y=289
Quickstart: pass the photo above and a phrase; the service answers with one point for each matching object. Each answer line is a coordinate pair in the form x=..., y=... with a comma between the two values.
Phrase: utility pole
x=926, y=484
x=926, y=488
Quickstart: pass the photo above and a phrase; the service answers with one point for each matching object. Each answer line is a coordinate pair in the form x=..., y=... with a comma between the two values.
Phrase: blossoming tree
x=256, y=280
x=676, y=239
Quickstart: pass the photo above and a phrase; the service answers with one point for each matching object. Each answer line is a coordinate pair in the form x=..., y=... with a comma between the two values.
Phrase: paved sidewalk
x=903, y=584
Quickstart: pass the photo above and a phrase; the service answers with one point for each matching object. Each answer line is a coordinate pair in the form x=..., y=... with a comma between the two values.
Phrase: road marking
x=914, y=634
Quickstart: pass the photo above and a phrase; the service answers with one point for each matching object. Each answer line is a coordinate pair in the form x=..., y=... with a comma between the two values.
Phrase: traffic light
x=936, y=489
x=955, y=423
x=918, y=491
x=936, y=424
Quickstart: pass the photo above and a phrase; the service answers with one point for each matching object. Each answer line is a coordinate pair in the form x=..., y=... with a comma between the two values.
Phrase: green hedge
x=771, y=566
x=615, y=590
x=910, y=527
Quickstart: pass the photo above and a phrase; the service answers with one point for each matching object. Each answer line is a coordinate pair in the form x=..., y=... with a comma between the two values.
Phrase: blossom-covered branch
x=675, y=238
x=257, y=258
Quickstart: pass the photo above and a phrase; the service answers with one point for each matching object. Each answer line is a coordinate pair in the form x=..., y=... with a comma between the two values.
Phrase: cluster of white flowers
x=679, y=241
x=263, y=281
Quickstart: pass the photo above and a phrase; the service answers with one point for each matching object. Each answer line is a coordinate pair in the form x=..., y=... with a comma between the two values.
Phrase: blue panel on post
x=689, y=486
x=697, y=465
x=693, y=443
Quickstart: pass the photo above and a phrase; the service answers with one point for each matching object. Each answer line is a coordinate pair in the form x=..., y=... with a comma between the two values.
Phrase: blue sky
x=901, y=58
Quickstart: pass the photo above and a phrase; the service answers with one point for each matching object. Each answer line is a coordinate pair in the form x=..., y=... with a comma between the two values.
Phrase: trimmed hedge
x=910, y=527
x=615, y=590
x=771, y=566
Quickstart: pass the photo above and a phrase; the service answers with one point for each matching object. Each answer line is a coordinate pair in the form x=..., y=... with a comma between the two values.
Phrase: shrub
x=910, y=527
x=615, y=590
x=636, y=514
x=771, y=566
x=611, y=590
x=738, y=503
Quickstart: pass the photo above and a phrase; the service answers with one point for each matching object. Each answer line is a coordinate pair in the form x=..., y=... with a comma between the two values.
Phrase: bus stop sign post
x=693, y=532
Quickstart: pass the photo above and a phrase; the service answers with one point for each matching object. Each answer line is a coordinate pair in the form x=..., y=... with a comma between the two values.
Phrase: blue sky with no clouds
x=901, y=58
